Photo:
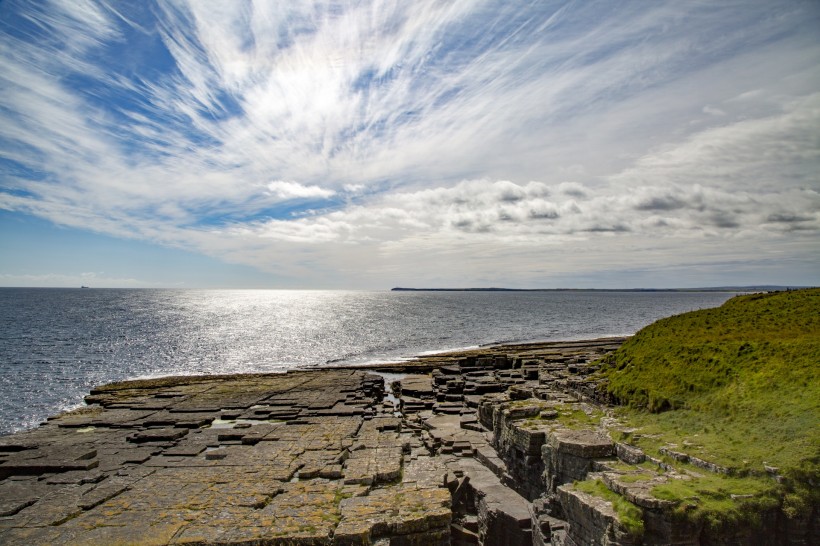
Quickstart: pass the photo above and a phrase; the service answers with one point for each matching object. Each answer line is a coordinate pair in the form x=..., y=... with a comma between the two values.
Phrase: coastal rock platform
x=476, y=447
x=296, y=458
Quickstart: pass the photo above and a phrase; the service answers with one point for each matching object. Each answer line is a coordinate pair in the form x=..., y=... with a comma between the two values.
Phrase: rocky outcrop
x=544, y=431
x=569, y=455
x=593, y=520
x=297, y=458
x=502, y=445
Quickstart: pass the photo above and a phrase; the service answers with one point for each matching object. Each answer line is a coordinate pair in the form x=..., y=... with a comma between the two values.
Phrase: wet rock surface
x=477, y=447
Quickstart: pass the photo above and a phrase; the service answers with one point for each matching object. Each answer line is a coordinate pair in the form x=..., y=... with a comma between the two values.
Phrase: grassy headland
x=738, y=386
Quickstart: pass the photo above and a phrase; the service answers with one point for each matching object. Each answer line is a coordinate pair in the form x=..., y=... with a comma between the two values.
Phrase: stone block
x=592, y=520
x=629, y=454
x=586, y=444
x=527, y=440
x=503, y=517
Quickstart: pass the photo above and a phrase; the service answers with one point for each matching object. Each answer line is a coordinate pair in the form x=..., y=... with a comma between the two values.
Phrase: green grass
x=567, y=415
x=630, y=516
x=750, y=346
x=742, y=442
x=576, y=418
x=637, y=477
x=709, y=498
x=738, y=386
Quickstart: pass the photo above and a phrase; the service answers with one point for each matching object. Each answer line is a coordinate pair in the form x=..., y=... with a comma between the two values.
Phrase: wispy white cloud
x=293, y=190
x=761, y=154
x=348, y=137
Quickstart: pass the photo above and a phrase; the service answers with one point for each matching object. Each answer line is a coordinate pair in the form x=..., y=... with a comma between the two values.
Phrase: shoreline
x=493, y=445
x=424, y=363
x=350, y=461
x=417, y=364
x=429, y=362
x=115, y=341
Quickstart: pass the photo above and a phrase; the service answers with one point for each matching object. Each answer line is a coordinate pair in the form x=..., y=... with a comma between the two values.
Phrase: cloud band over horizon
x=466, y=143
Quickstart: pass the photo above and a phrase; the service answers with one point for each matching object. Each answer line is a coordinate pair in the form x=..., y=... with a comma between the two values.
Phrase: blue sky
x=377, y=144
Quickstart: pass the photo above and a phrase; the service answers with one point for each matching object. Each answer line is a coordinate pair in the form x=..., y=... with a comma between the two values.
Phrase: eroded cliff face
x=501, y=446
x=532, y=419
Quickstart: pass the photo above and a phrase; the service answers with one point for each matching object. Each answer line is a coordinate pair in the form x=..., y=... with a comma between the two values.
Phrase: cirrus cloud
x=345, y=143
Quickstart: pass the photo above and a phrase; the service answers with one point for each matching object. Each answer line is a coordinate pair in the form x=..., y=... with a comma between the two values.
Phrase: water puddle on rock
x=234, y=423
x=389, y=398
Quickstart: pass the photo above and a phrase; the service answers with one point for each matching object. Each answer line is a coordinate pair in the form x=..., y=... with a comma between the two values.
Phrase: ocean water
x=56, y=344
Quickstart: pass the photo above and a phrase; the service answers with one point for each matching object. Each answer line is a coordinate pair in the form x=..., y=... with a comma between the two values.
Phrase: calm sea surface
x=55, y=344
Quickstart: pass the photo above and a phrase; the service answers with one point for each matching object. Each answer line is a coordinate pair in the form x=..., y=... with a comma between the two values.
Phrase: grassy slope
x=749, y=346
x=738, y=385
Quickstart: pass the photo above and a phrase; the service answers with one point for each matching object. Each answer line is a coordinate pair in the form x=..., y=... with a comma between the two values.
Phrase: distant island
x=754, y=288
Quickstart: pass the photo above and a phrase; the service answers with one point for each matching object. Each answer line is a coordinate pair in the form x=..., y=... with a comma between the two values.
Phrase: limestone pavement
x=296, y=458
x=480, y=447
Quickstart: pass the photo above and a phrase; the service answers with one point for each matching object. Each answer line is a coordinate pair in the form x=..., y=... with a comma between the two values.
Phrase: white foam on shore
x=449, y=350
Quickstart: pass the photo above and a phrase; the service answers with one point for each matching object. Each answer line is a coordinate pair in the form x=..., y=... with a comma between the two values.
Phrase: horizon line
x=725, y=288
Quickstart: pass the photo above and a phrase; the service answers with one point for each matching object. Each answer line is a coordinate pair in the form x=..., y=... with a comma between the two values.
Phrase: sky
x=372, y=144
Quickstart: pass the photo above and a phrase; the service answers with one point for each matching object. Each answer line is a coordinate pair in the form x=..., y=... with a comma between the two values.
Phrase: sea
x=56, y=344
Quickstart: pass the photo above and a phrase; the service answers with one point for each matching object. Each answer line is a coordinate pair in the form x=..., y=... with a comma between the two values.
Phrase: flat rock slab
x=418, y=386
x=212, y=462
x=306, y=457
x=581, y=443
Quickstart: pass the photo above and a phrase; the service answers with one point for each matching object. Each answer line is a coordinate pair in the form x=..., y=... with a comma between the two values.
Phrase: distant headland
x=753, y=288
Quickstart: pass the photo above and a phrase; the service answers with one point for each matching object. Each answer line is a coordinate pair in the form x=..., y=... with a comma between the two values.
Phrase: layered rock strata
x=296, y=458
x=502, y=445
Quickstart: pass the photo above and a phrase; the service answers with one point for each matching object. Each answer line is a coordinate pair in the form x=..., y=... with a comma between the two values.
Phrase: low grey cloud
x=787, y=218
x=660, y=203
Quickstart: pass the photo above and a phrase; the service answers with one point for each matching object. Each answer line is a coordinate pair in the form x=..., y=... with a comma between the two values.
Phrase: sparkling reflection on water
x=55, y=344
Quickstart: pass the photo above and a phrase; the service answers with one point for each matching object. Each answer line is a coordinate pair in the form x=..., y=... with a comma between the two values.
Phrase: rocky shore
x=477, y=447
